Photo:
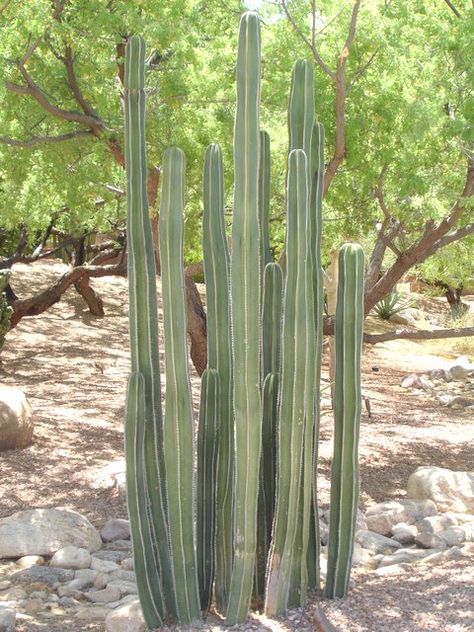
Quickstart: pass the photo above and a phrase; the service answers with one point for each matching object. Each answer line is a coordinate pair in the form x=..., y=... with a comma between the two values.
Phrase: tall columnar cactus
x=144, y=424
x=219, y=357
x=347, y=402
x=245, y=311
x=178, y=426
x=297, y=311
x=236, y=514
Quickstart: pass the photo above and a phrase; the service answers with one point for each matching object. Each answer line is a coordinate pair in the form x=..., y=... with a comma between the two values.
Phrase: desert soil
x=73, y=368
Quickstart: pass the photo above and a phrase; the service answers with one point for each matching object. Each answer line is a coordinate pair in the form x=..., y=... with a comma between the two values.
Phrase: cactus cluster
x=229, y=515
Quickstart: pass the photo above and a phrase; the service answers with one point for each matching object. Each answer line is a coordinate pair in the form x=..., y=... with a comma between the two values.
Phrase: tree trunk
x=197, y=325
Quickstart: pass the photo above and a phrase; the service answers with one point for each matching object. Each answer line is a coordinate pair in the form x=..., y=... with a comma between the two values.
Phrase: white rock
x=382, y=517
x=71, y=557
x=7, y=619
x=404, y=533
x=115, y=529
x=30, y=560
x=103, y=566
x=127, y=618
x=449, y=490
x=16, y=420
x=45, y=531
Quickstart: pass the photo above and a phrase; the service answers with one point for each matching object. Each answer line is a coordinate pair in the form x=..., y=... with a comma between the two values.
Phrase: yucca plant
x=390, y=305
x=234, y=517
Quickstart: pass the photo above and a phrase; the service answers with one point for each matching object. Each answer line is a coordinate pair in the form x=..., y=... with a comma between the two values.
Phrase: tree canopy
x=394, y=91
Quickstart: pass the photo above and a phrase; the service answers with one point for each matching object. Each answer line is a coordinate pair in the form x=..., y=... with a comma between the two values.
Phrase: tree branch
x=40, y=302
x=340, y=79
x=453, y=8
x=39, y=140
x=433, y=238
x=405, y=334
x=314, y=51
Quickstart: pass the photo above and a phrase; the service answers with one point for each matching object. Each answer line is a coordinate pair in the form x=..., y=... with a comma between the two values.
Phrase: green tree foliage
x=407, y=109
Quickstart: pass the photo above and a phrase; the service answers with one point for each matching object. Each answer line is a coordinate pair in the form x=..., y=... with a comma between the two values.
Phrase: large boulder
x=16, y=420
x=451, y=491
x=45, y=531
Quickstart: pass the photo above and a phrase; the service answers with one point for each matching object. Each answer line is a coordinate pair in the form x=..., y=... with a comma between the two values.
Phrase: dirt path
x=73, y=368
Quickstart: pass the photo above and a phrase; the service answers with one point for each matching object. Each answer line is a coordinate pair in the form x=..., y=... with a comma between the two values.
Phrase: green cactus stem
x=245, y=309
x=143, y=426
x=297, y=308
x=206, y=485
x=347, y=403
x=219, y=357
x=178, y=427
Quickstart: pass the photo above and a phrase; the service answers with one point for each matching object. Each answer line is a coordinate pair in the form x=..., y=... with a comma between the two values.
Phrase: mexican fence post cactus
x=216, y=273
x=347, y=403
x=195, y=535
x=144, y=424
x=245, y=310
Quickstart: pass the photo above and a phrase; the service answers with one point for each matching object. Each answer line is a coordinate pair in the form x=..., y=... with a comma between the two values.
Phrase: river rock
x=376, y=542
x=45, y=531
x=430, y=541
x=435, y=524
x=453, y=536
x=382, y=517
x=7, y=619
x=112, y=556
x=451, y=491
x=127, y=618
x=406, y=556
x=125, y=587
x=71, y=557
x=43, y=575
x=103, y=566
x=16, y=420
x=115, y=529
x=404, y=533
x=30, y=560
x=107, y=595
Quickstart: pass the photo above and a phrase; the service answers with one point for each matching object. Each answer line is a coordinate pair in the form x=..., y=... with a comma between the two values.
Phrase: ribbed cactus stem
x=178, y=429
x=245, y=295
x=264, y=199
x=291, y=412
x=206, y=486
x=219, y=357
x=347, y=403
x=316, y=229
x=143, y=426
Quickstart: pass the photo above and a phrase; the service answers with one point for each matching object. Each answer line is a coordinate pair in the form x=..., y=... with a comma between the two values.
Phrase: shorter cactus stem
x=347, y=402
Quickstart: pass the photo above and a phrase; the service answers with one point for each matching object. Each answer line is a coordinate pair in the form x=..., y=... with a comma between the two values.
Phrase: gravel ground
x=73, y=368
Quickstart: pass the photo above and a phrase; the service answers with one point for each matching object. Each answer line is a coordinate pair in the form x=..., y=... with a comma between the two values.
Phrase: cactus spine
x=259, y=408
x=347, y=402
